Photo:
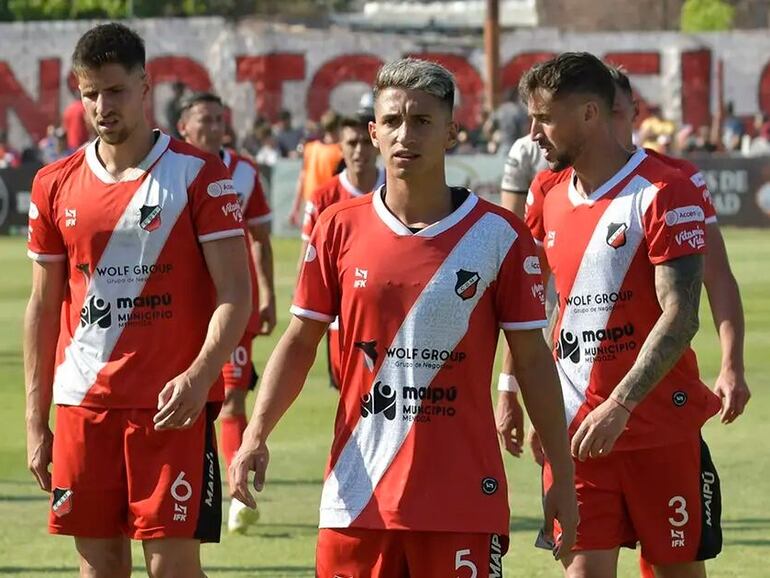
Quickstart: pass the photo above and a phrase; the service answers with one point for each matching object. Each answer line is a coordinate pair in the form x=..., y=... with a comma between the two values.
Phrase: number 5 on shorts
x=460, y=563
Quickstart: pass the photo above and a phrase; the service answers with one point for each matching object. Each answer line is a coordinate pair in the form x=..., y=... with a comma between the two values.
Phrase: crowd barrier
x=740, y=189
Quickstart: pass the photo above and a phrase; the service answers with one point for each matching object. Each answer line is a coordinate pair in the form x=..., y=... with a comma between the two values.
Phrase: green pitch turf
x=283, y=543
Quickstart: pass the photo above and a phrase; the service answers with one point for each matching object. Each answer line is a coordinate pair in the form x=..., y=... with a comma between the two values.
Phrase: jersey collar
x=348, y=186
x=132, y=174
x=577, y=199
x=227, y=157
x=430, y=231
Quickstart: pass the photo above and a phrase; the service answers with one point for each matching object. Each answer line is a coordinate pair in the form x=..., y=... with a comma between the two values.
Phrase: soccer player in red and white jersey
x=202, y=123
x=422, y=277
x=625, y=238
x=139, y=294
x=360, y=177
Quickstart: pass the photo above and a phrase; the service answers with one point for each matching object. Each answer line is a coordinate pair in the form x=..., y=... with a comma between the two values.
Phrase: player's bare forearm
x=41, y=331
x=536, y=372
x=227, y=262
x=725, y=301
x=263, y=262
x=284, y=376
x=514, y=202
x=678, y=287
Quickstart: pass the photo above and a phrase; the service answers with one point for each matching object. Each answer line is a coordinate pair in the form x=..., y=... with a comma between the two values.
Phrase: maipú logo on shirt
x=382, y=399
x=96, y=311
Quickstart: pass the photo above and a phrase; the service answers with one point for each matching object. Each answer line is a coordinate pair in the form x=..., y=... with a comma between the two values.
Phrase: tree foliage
x=706, y=16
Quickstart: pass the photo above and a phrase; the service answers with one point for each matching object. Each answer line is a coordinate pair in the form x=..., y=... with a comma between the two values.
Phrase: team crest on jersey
x=616, y=235
x=467, y=284
x=149, y=217
x=61, y=503
x=369, y=349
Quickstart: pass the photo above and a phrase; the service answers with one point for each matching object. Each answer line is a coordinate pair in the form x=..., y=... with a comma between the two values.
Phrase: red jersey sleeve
x=318, y=295
x=310, y=218
x=533, y=209
x=519, y=294
x=215, y=209
x=698, y=179
x=45, y=242
x=674, y=223
x=257, y=210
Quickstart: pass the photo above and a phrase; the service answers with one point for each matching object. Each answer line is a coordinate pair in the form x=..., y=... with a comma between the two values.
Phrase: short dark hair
x=621, y=80
x=111, y=43
x=199, y=97
x=570, y=73
x=357, y=122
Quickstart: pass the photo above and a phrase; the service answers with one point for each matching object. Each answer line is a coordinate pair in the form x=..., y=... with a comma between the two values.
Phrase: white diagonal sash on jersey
x=91, y=346
x=602, y=270
x=375, y=441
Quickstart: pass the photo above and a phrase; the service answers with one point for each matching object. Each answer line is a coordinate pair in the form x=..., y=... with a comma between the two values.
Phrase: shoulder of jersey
x=663, y=169
x=548, y=179
x=346, y=208
x=327, y=189
x=63, y=167
x=239, y=158
x=486, y=206
x=181, y=147
x=688, y=168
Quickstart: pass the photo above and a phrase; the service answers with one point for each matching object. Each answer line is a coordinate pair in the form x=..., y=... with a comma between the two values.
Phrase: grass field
x=282, y=545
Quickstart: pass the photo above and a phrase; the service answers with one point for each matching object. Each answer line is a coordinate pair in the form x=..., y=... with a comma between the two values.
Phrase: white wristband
x=507, y=382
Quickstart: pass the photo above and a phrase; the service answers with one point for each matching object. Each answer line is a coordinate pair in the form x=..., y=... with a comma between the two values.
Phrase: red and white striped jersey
x=256, y=212
x=603, y=251
x=545, y=180
x=338, y=188
x=415, y=444
x=139, y=296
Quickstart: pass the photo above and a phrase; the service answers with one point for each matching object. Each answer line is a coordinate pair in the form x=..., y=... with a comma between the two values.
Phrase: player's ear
x=372, y=127
x=590, y=111
x=453, y=129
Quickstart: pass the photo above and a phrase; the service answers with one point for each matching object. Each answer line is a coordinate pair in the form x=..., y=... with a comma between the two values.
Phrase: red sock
x=232, y=434
x=646, y=568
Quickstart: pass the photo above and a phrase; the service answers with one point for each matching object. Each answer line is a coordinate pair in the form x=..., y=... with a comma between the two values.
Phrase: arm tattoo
x=678, y=286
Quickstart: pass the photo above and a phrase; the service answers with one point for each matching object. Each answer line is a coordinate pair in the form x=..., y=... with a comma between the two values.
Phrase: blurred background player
x=359, y=177
x=147, y=269
x=202, y=124
x=524, y=161
x=628, y=309
x=321, y=160
x=386, y=457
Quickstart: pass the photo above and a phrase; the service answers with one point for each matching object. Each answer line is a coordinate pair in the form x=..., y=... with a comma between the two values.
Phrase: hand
x=250, y=457
x=732, y=389
x=536, y=447
x=40, y=455
x=267, y=317
x=560, y=503
x=599, y=431
x=509, y=419
x=180, y=402
x=294, y=218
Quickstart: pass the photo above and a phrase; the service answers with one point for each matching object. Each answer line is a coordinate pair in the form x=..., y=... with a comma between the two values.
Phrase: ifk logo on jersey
x=382, y=399
x=616, y=235
x=149, y=217
x=369, y=349
x=467, y=284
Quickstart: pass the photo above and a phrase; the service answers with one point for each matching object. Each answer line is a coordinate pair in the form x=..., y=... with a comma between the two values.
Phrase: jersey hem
x=308, y=314
x=46, y=258
x=220, y=235
x=521, y=325
x=260, y=220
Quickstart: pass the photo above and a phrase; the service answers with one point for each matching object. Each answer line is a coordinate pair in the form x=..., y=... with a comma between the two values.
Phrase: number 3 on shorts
x=460, y=563
x=680, y=507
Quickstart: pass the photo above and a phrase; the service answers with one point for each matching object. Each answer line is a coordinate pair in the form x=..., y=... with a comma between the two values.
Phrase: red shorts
x=666, y=498
x=239, y=372
x=114, y=475
x=334, y=359
x=361, y=553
